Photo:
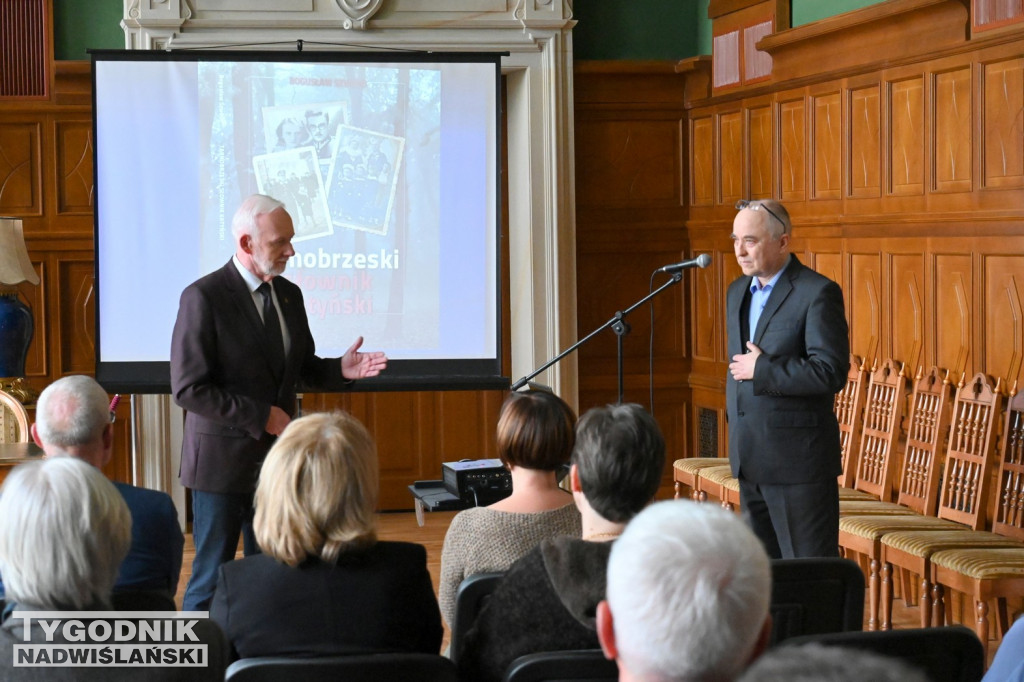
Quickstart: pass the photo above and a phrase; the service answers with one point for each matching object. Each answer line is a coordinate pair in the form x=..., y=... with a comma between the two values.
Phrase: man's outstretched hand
x=356, y=365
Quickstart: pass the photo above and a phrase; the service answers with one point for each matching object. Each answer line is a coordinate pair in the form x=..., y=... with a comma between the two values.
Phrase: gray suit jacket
x=222, y=375
x=782, y=427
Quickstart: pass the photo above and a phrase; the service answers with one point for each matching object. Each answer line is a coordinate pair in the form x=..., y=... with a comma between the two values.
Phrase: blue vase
x=16, y=329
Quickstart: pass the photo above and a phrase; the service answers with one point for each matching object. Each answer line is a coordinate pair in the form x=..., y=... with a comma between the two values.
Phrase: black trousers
x=798, y=520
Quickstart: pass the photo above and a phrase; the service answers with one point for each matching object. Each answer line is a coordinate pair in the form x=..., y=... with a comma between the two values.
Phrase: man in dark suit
x=241, y=346
x=789, y=349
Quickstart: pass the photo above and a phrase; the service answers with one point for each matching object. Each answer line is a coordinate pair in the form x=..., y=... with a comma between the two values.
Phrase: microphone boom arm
x=617, y=323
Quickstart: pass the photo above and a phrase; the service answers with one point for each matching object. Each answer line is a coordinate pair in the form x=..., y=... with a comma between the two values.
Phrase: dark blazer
x=221, y=374
x=782, y=427
x=378, y=599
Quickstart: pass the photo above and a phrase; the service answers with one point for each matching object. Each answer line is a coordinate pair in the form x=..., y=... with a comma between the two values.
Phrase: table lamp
x=16, y=325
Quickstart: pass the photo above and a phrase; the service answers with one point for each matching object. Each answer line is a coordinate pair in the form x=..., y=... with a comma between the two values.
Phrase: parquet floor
x=403, y=526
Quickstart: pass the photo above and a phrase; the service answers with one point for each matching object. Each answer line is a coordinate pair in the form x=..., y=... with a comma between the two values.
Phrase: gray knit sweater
x=480, y=540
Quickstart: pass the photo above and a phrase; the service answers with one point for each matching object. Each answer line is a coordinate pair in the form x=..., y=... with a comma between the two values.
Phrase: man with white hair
x=73, y=419
x=687, y=598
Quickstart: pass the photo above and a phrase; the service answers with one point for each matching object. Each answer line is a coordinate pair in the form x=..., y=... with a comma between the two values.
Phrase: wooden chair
x=718, y=483
x=848, y=405
x=13, y=420
x=912, y=550
x=686, y=471
x=975, y=409
x=991, y=573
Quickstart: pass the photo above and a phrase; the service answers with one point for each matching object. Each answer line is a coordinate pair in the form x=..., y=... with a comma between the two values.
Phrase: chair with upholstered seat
x=686, y=471
x=469, y=599
x=848, y=407
x=974, y=413
x=580, y=665
x=951, y=654
x=912, y=550
x=13, y=420
x=411, y=667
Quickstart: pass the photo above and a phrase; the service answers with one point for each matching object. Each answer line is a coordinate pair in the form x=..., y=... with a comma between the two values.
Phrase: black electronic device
x=477, y=482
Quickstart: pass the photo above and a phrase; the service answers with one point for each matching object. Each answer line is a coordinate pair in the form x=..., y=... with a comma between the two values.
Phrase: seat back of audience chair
x=470, y=598
x=581, y=665
x=408, y=667
x=945, y=654
x=813, y=596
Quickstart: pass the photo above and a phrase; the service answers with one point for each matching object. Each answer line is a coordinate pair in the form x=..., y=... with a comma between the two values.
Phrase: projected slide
x=388, y=170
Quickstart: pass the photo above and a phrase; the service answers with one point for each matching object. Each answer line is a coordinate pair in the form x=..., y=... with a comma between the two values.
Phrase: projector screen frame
x=143, y=377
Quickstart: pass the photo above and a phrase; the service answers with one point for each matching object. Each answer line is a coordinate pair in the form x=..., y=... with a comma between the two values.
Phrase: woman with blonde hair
x=324, y=584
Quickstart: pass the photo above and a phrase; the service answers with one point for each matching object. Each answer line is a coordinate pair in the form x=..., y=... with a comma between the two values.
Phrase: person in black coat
x=324, y=585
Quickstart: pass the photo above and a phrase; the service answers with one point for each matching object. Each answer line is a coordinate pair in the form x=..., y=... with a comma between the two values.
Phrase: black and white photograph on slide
x=363, y=180
x=294, y=178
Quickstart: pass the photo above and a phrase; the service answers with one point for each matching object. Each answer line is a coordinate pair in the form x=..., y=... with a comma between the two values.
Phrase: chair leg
x=907, y=582
x=886, y=596
x=926, y=602
x=981, y=623
x=938, y=608
x=873, y=589
x=678, y=490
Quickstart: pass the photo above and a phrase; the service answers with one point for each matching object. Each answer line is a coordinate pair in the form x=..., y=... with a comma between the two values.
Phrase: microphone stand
x=617, y=324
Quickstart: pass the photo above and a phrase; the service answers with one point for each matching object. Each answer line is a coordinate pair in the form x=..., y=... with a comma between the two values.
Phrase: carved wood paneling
x=1003, y=314
x=74, y=167
x=907, y=311
x=77, y=321
x=702, y=161
x=1002, y=130
x=951, y=322
x=761, y=153
x=630, y=163
x=865, y=161
x=827, y=143
x=793, y=150
x=20, y=168
x=864, y=304
x=35, y=298
x=706, y=303
x=731, y=161
x=906, y=137
x=953, y=129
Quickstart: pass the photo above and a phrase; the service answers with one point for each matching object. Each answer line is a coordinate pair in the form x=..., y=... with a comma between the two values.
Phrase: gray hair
x=72, y=411
x=817, y=663
x=64, y=530
x=247, y=215
x=689, y=587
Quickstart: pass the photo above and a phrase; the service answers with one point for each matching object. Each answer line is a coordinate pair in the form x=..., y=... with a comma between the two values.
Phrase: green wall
x=606, y=29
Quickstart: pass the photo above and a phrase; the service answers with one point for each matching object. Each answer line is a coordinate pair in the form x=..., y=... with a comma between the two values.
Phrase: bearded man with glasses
x=788, y=344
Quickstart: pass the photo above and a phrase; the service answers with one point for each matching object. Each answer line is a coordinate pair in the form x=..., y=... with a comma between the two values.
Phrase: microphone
x=701, y=261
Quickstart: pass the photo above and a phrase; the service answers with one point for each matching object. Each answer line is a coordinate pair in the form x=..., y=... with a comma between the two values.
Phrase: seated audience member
x=324, y=584
x=689, y=586
x=817, y=663
x=535, y=437
x=73, y=418
x=64, y=530
x=548, y=599
x=1008, y=665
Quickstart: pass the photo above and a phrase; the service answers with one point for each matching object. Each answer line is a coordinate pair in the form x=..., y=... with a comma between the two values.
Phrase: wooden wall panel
x=34, y=298
x=865, y=150
x=953, y=130
x=864, y=304
x=74, y=167
x=761, y=152
x=702, y=161
x=952, y=315
x=706, y=303
x=77, y=322
x=630, y=162
x=1003, y=134
x=21, y=168
x=907, y=136
x=827, y=143
x=793, y=150
x=731, y=161
x=1003, y=313
x=906, y=311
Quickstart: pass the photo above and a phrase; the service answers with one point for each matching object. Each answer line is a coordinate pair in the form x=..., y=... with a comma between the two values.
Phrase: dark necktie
x=272, y=326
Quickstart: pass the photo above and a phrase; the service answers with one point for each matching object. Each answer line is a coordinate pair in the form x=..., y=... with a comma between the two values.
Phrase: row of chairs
x=935, y=527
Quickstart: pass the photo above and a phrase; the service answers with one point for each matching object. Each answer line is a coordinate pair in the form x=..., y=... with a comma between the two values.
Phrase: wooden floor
x=403, y=526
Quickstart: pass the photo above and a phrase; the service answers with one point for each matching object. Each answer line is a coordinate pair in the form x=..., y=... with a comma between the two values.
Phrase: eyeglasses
x=755, y=205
